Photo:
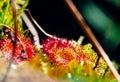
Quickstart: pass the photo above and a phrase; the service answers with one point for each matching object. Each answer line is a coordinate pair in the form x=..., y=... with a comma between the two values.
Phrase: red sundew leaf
x=29, y=48
x=61, y=51
x=64, y=55
x=24, y=49
x=2, y=42
x=80, y=55
x=54, y=42
x=18, y=49
x=6, y=48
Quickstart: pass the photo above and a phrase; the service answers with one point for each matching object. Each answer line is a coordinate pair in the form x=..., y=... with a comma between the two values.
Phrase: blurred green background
x=103, y=17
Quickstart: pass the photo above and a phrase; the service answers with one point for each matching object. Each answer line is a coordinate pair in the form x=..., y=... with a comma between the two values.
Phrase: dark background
x=55, y=18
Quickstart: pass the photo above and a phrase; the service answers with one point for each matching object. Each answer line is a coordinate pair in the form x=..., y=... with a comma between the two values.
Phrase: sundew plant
x=59, y=58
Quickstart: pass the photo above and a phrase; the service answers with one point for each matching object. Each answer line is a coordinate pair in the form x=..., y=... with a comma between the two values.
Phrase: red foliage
x=22, y=50
x=6, y=47
x=54, y=42
x=60, y=51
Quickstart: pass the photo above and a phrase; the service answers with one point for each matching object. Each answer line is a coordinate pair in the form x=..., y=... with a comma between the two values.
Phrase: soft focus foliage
x=6, y=13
